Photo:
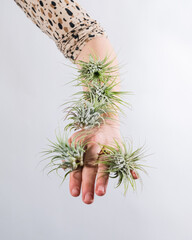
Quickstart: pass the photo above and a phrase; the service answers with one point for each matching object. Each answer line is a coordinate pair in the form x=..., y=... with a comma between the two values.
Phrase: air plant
x=121, y=161
x=96, y=70
x=86, y=114
x=104, y=93
x=65, y=155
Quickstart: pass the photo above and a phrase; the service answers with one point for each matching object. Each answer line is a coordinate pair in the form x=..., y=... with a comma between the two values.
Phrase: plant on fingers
x=65, y=155
x=121, y=161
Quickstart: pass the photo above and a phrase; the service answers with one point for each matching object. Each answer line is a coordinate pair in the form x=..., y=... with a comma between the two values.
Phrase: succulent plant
x=120, y=161
x=64, y=155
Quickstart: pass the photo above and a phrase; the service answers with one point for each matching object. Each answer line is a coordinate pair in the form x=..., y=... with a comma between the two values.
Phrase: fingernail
x=75, y=191
x=88, y=197
x=101, y=189
x=134, y=174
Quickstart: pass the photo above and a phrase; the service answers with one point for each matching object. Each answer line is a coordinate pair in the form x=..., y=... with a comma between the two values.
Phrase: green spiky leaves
x=85, y=115
x=99, y=78
x=104, y=94
x=98, y=102
x=96, y=69
x=65, y=156
x=121, y=161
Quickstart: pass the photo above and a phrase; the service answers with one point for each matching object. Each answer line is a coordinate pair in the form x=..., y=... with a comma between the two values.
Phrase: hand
x=86, y=177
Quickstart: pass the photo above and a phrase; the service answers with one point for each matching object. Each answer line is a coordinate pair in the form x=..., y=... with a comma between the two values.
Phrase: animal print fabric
x=64, y=21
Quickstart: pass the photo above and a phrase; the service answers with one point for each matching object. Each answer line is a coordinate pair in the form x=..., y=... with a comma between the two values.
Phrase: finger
x=89, y=173
x=75, y=178
x=102, y=180
x=75, y=182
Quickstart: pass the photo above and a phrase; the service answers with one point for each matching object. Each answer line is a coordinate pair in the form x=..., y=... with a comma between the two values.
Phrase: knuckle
x=76, y=175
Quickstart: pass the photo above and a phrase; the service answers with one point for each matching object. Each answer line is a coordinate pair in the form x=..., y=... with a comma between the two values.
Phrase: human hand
x=86, y=177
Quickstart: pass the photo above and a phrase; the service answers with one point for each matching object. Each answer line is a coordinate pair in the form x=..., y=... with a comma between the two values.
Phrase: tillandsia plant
x=104, y=93
x=121, y=161
x=65, y=155
x=96, y=70
x=87, y=114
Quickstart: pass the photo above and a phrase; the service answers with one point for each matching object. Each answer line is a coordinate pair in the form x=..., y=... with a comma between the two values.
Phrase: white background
x=154, y=39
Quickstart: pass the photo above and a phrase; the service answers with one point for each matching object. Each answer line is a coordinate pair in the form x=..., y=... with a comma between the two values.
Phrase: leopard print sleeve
x=64, y=21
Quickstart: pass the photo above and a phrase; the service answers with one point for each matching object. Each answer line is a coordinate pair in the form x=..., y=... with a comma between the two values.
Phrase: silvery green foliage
x=104, y=93
x=121, y=160
x=99, y=92
x=90, y=111
x=85, y=115
x=64, y=155
x=96, y=69
x=99, y=79
x=92, y=69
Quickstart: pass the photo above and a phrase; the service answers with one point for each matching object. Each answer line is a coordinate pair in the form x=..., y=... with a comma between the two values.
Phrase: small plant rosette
x=105, y=94
x=65, y=155
x=121, y=161
x=96, y=70
x=85, y=114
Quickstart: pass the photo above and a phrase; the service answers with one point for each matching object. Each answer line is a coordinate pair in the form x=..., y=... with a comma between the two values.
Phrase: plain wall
x=154, y=41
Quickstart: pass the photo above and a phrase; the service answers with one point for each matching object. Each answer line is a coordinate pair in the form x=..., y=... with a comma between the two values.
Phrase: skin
x=91, y=179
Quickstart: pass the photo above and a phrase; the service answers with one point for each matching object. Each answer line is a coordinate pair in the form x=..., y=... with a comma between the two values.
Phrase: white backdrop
x=154, y=39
